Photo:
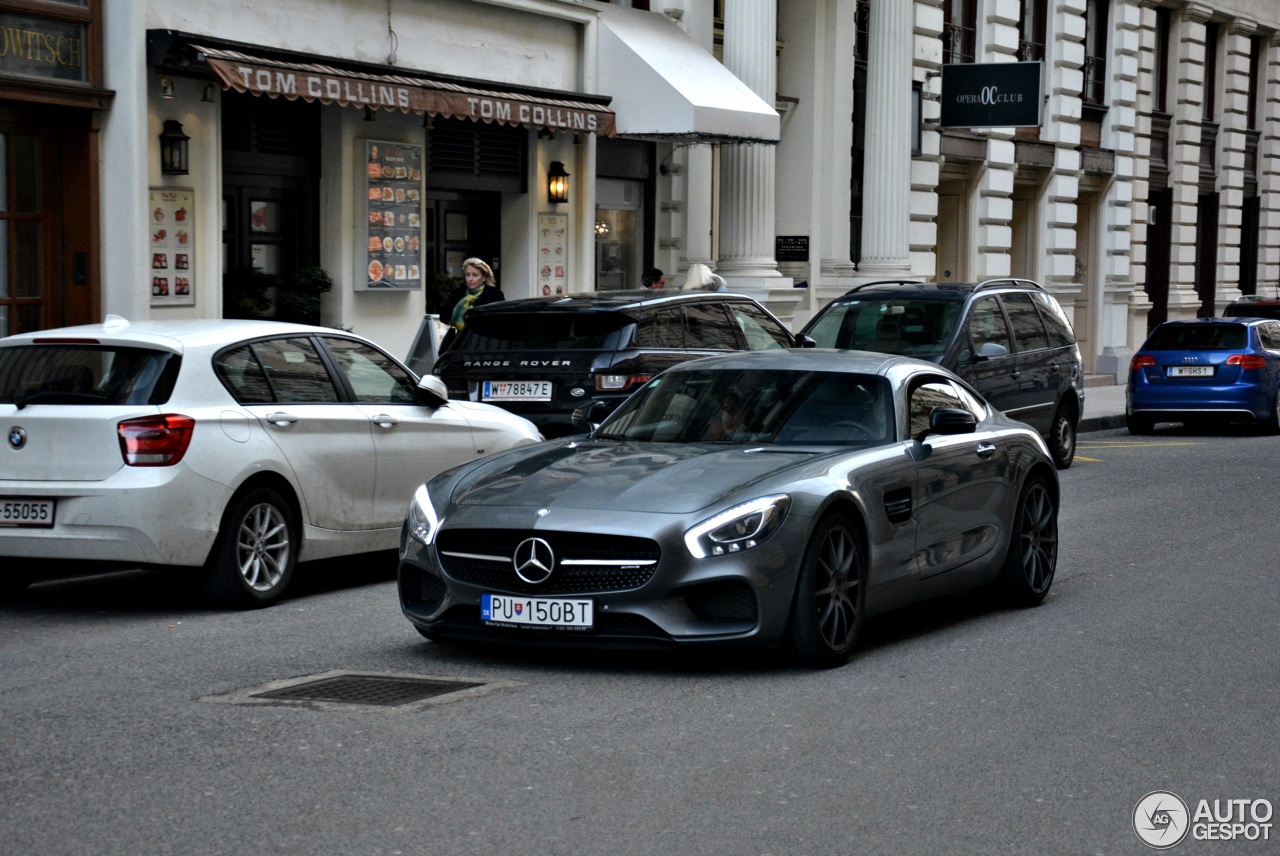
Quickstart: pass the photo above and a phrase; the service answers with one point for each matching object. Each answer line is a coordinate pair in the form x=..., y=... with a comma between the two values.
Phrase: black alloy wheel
x=1033, y=545
x=256, y=551
x=1062, y=439
x=827, y=613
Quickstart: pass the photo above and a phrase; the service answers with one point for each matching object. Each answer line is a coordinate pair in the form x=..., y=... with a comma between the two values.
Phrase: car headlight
x=423, y=523
x=740, y=528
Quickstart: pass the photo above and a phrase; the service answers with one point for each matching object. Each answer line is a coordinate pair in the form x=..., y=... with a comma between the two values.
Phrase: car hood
x=610, y=476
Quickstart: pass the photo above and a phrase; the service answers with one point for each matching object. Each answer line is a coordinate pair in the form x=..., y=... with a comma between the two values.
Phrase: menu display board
x=172, y=225
x=553, y=257
x=393, y=184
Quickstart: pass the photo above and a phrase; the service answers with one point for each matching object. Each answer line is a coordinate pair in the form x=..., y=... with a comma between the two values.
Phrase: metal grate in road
x=385, y=692
x=378, y=690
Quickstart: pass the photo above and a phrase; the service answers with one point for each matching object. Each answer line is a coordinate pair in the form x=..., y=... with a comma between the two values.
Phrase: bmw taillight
x=1247, y=361
x=1141, y=361
x=619, y=382
x=155, y=441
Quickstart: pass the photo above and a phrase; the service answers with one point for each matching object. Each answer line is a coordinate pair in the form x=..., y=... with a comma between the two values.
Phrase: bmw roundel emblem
x=17, y=438
x=533, y=560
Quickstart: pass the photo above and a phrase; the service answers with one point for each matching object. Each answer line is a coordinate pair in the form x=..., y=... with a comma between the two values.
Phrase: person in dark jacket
x=478, y=288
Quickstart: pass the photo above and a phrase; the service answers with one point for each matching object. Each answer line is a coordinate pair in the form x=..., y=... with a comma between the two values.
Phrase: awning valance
x=665, y=87
x=407, y=93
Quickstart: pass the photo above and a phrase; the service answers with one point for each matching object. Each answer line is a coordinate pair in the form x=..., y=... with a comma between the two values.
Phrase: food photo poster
x=393, y=185
x=172, y=216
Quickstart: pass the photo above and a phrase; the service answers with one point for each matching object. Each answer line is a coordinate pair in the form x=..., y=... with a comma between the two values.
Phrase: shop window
x=619, y=250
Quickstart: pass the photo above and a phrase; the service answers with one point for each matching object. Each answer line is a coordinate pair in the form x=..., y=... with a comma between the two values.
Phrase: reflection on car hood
x=611, y=476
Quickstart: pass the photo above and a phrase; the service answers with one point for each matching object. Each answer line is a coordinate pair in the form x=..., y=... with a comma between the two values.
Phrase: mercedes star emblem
x=17, y=437
x=533, y=560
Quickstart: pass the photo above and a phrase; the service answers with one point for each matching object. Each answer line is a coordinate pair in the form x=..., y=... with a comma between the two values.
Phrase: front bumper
x=740, y=599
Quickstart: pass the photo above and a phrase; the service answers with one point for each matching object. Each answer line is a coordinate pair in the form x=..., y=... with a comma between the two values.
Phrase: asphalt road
x=957, y=728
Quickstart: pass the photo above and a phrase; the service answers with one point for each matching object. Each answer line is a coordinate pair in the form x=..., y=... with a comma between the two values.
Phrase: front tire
x=1033, y=545
x=1062, y=438
x=255, y=554
x=827, y=613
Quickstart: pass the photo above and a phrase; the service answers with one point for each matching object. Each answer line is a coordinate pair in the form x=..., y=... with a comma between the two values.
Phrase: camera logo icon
x=1161, y=819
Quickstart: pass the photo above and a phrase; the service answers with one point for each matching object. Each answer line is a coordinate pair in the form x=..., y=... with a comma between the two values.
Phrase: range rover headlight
x=740, y=528
x=423, y=523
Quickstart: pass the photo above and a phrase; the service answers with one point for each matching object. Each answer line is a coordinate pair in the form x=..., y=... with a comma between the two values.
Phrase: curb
x=1100, y=423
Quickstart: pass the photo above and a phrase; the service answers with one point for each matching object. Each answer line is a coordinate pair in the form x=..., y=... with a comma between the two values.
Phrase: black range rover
x=546, y=357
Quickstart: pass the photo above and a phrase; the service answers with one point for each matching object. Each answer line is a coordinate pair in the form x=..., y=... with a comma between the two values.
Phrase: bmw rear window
x=86, y=374
x=1198, y=337
x=543, y=331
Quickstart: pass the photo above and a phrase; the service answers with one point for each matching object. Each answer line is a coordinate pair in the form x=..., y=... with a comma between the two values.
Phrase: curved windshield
x=889, y=325
x=759, y=407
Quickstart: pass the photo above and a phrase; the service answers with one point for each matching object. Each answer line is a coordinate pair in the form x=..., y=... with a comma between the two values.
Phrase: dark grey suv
x=1007, y=337
x=546, y=358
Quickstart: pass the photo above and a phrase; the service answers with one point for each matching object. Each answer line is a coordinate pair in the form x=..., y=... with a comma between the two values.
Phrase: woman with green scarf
x=478, y=288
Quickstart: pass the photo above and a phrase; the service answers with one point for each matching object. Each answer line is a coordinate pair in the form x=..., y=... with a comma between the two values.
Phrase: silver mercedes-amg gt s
x=762, y=498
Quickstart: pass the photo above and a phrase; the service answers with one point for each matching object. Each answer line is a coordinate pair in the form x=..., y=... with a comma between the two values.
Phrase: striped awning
x=406, y=93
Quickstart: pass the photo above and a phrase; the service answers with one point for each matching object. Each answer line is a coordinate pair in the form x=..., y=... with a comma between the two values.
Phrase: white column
x=886, y=221
x=747, y=205
x=1269, y=172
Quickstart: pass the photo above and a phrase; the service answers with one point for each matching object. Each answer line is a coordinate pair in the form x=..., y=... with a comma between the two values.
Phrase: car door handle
x=1015, y=374
x=1055, y=368
x=382, y=420
x=281, y=418
x=986, y=450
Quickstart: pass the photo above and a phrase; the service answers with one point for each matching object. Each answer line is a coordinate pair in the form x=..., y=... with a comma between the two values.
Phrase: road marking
x=1088, y=460
x=1133, y=444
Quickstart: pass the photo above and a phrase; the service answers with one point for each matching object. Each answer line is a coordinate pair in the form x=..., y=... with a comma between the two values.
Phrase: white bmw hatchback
x=235, y=447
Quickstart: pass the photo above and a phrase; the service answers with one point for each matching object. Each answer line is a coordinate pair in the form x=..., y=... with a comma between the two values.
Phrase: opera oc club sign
x=991, y=95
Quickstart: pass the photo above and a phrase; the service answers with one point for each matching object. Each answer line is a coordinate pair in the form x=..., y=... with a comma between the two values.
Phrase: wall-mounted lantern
x=173, y=148
x=557, y=183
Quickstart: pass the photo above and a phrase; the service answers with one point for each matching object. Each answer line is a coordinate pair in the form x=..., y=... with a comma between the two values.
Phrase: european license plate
x=516, y=390
x=26, y=512
x=1190, y=371
x=499, y=609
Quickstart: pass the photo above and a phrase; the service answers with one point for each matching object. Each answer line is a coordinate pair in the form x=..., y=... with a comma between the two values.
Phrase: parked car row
x=775, y=495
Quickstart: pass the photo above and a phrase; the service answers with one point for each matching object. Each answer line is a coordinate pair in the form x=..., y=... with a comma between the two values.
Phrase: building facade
x=198, y=160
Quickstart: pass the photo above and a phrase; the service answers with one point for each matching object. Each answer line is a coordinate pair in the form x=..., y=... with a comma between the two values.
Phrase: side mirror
x=991, y=350
x=947, y=421
x=803, y=341
x=588, y=417
x=432, y=392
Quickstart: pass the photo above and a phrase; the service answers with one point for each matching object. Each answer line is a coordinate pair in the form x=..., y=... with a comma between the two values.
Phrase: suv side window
x=987, y=327
x=662, y=329
x=1055, y=320
x=762, y=332
x=708, y=326
x=1028, y=329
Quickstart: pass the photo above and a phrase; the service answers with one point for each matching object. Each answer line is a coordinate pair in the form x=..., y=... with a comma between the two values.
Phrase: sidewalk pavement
x=1103, y=408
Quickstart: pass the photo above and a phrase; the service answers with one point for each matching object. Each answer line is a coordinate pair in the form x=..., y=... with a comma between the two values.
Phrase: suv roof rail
x=997, y=282
x=886, y=282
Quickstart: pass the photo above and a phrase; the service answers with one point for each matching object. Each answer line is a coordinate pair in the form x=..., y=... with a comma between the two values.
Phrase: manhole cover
x=368, y=689
x=391, y=693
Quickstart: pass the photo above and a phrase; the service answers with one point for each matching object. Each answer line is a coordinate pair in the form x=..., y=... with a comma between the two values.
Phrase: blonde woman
x=478, y=288
x=700, y=278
